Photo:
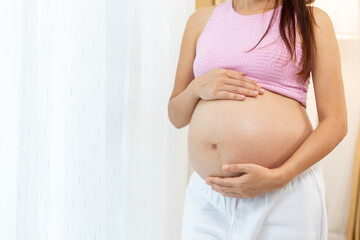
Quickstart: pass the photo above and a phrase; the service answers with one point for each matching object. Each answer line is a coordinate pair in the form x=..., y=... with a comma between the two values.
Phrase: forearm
x=181, y=107
x=328, y=134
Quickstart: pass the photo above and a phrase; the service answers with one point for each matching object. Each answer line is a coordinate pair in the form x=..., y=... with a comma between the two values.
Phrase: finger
x=239, y=75
x=229, y=95
x=221, y=189
x=240, y=167
x=250, y=80
x=239, y=90
x=235, y=74
x=229, y=182
x=243, y=83
x=233, y=195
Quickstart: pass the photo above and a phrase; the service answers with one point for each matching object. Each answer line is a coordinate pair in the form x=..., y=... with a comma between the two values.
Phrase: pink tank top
x=228, y=34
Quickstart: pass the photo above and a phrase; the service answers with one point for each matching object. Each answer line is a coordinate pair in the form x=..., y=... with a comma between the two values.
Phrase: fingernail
x=258, y=84
x=226, y=166
x=261, y=90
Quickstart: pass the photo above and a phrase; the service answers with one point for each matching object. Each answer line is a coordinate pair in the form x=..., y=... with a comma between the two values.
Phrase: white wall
x=349, y=25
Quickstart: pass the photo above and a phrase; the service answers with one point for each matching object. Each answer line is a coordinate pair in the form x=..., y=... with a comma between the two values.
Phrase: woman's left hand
x=255, y=180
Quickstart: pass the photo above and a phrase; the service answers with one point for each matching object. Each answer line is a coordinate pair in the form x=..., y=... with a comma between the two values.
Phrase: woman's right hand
x=223, y=83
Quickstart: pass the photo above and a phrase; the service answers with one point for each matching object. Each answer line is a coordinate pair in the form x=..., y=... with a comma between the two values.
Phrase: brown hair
x=305, y=21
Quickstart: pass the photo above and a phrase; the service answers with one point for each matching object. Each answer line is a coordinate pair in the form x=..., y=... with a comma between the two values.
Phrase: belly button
x=214, y=146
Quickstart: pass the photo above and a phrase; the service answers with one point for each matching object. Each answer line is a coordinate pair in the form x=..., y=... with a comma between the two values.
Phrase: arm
x=330, y=102
x=183, y=98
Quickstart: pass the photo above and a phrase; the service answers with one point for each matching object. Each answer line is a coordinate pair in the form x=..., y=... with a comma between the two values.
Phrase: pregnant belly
x=265, y=130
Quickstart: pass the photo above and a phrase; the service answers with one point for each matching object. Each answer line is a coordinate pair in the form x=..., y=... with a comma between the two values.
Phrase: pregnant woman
x=241, y=85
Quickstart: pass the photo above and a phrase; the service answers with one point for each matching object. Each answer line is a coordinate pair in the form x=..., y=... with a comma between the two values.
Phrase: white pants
x=294, y=212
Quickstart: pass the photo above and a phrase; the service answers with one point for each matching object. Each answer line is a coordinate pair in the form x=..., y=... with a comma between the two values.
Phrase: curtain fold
x=86, y=147
x=353, y=225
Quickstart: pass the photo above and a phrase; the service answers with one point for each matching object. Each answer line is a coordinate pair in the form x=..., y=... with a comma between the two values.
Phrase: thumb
x=239, y=167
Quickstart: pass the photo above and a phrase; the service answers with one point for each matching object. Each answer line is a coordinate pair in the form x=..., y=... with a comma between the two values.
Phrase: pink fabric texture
x=228, y=35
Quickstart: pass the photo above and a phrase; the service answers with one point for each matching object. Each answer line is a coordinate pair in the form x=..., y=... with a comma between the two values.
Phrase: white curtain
x=86, y=147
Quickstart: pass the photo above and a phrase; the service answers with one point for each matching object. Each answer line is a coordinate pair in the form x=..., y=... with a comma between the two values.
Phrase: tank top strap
x=217, y=19
x=219, y=13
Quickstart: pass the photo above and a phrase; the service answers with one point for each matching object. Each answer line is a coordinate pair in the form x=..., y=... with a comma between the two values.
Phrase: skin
x=330, y=102
x=332, y=127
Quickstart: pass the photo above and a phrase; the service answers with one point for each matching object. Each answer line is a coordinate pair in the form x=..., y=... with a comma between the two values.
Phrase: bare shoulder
x=322, y=19
x=199, y=18
x=325, y=36
x=203, y=11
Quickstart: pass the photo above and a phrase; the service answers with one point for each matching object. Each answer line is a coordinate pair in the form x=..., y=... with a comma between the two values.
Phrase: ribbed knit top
x=228, y=35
